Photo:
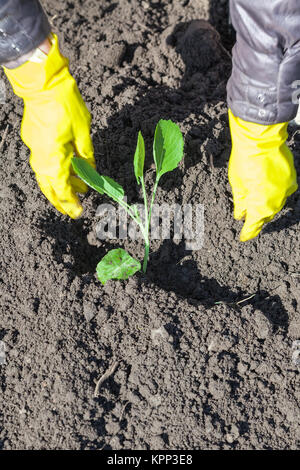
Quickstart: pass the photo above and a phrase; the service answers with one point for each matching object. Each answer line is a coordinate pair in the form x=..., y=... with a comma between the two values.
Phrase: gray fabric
x=266, y=60
x=23, y=27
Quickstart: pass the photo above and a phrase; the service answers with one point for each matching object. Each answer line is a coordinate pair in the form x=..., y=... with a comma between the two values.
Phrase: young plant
x=167, y=153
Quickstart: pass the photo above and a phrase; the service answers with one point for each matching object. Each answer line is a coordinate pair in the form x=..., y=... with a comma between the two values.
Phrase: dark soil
x=196, y=368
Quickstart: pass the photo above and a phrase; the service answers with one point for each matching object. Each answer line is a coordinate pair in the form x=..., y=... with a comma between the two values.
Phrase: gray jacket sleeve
x=266, y=60
x=23, y=26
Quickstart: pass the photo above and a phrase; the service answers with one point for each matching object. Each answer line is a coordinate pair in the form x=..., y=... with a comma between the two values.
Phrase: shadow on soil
x=198, y=46
x=219, y=18
x=207, y=68
x=183, y=277
x=70, y=238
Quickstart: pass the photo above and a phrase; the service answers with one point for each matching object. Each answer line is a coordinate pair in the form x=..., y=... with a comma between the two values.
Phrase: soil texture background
x=201, y=346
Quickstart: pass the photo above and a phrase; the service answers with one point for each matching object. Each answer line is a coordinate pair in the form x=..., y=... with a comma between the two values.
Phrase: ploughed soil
x=199, y=349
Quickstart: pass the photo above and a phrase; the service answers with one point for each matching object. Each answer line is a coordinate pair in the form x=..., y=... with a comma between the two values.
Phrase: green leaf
x=139, y=158
x=167, y=146
x=117, y=264
x=102, y=184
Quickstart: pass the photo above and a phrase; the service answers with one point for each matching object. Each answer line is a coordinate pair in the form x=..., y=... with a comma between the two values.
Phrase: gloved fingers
x=48, y=192
x=84, y=148
x=67, y=198
x=251, y=228
x=239, y=196
x=258, y=213
x=253, y=224
x=239, y=192
x=72, y=208
x=239, y=209
x=64, y=199
x=78, y=185
x=82, y=142
x=57, y=180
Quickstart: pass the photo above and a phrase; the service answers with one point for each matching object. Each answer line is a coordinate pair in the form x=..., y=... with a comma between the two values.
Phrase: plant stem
x=152, y=201
x=137, y=221
x=129, y=211
x=145, y=201
x=146, y=256
x=146, y=226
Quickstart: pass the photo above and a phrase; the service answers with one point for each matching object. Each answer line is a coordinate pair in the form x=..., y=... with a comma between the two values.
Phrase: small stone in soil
x=89, y=311
x=296, y=353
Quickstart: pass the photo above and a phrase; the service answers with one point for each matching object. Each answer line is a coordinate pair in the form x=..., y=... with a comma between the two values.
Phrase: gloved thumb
x=251, y=228
x=82, y=142
x=69, y=205
x=255, y=218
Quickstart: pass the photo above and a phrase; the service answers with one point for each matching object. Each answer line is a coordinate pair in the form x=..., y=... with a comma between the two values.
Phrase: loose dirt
x=199, y=350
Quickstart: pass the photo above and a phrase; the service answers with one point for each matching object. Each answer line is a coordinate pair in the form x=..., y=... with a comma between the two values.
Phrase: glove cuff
x=31, y=78
x=257, y=136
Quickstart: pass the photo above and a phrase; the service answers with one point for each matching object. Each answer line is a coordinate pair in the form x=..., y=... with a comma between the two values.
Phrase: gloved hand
x=261, y=172
x=55, y=125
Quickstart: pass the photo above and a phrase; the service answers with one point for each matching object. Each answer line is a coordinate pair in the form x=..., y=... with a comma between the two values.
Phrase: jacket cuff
x=23, y=27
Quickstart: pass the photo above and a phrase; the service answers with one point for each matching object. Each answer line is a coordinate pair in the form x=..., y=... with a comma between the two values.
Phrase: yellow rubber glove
x=261, y=172
x=55, y=125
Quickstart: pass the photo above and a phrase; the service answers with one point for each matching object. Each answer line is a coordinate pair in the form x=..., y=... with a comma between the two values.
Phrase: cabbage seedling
x=167, y=153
